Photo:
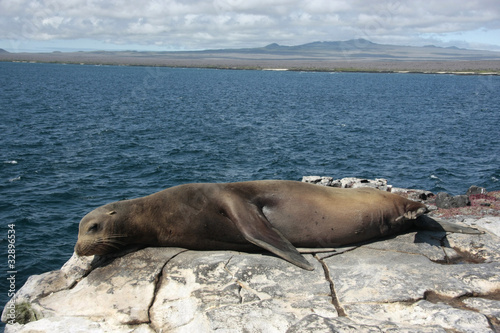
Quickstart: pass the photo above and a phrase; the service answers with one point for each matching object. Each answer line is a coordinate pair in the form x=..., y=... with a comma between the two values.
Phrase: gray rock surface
x=349, y=182
x=421, y=281
x=475, y=190
x=444, y=200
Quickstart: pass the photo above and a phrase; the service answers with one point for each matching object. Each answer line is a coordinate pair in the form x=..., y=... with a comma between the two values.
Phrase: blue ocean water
x=76, y=137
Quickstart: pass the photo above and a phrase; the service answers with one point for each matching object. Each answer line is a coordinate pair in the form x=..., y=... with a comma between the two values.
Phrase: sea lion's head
x=98, y=232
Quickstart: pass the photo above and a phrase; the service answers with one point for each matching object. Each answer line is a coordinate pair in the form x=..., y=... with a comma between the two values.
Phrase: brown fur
x=243, y=216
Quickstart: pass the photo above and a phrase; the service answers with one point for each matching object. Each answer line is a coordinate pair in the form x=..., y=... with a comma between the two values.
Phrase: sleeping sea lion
x=275, y=215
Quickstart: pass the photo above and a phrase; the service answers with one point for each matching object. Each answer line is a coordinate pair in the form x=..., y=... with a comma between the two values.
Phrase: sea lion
x=271, y=214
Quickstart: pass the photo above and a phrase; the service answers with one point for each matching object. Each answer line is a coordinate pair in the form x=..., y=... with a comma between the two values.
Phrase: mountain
x=352, y=44
x=362, y=49
x=351, y=55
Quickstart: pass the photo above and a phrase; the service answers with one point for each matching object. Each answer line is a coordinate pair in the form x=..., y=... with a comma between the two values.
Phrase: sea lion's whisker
x=103, y=246
x=113, y=246
x=111, y=242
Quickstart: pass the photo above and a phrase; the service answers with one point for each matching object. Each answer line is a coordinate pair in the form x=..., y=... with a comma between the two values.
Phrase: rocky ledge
x=421, y=281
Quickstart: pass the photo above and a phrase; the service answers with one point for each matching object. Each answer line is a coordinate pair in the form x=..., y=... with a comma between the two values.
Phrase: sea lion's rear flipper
x=428, y=223
x=256, y=229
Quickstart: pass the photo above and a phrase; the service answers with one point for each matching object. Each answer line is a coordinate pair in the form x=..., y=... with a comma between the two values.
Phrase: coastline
x=233, y=62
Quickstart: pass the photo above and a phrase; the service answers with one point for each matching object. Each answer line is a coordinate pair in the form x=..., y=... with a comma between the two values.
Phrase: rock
x=444, y=200
x=39, y=286
x=325, y=181
x=74, y=325
x=413, y=194
x=421, y=281
x=363, y=276
x=486, y=306
x=475, y=190
x=489, y=223
x=349, y=182
x=207, y=291
x=379, y=183
x=421, y=314
x=483, y=249
x=120, y=292
x=318, y=324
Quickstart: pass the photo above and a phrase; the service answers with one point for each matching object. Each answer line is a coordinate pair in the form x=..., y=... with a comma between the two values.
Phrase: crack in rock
x=444, y=262
x=226, y=264
x=458, y=303
x=494, y=323
x=336, y=252
x=240, y=288
x=461, y=256
x=158, y=281
x=236, y=280
x=335, y=300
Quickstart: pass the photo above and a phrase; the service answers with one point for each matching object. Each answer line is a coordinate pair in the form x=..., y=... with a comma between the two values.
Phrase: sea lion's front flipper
x=256, y=229
x=428, y=223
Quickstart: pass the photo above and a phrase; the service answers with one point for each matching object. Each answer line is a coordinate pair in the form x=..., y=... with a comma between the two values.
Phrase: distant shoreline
x=357, y=55
x=214, y=61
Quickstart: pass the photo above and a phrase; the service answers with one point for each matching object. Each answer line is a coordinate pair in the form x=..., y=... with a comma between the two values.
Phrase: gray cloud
x=196, y=24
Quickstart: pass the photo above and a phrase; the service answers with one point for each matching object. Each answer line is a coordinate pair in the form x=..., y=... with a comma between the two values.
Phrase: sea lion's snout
x=94, y=247
x=82, y=250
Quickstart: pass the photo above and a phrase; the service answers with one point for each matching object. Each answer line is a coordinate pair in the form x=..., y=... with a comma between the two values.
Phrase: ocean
x=74, y=137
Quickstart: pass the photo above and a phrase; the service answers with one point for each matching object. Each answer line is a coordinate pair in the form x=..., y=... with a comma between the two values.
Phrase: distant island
x=357, y=55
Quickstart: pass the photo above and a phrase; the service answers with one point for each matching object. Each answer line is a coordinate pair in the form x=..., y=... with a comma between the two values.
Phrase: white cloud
x=198, y=24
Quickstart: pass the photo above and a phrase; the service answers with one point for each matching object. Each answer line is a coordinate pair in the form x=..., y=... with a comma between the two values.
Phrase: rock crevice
x=328, y=277
x=157, y=284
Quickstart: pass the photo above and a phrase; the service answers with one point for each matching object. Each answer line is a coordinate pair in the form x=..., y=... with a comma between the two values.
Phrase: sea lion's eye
x=112, y=212
x=93, y=228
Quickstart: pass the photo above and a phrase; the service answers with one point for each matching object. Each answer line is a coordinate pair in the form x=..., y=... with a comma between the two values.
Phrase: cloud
x=197, y=24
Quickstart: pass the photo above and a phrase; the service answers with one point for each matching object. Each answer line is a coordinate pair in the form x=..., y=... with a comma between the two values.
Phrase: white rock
x=487, y=307
x=368, y=275
x=420, y=314
x=74, y=325
x=235, y=292
x=490, y=223
x=120, y=292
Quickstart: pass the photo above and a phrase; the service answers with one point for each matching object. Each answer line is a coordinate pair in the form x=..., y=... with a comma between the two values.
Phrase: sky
x=176, y=25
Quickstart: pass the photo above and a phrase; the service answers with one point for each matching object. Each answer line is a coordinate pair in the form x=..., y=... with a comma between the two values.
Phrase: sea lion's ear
x=111, y=212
